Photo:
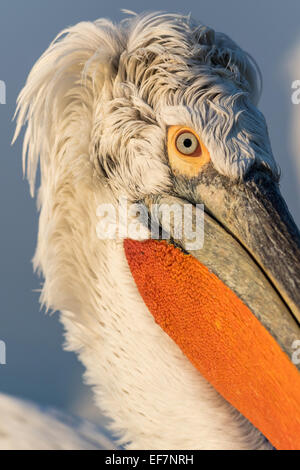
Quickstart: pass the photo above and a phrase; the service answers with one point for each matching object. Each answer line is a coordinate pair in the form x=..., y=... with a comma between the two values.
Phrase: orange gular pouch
x=219, y=334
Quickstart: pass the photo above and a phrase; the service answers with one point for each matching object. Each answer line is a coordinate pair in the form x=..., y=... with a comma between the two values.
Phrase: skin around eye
x=186, y=151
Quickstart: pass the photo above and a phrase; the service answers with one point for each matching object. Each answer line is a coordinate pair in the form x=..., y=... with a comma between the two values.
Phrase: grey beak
x=256, y=214
x=250, y=242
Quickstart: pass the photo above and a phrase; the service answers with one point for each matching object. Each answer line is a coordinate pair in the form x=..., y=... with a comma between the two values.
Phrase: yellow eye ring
x=187, y=153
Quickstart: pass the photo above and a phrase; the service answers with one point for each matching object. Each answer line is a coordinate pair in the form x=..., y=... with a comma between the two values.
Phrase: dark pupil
x=187, y=142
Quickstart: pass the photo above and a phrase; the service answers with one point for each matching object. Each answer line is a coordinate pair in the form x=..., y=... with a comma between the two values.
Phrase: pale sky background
x=37, y=368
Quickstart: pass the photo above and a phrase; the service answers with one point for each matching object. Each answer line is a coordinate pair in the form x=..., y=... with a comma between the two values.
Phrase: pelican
x=184, y=348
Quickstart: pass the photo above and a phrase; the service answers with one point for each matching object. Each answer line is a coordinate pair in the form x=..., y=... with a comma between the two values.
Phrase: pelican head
x=184, y=347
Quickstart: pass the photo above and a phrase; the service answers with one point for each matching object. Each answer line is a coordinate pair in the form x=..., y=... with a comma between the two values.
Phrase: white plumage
x=25, y=426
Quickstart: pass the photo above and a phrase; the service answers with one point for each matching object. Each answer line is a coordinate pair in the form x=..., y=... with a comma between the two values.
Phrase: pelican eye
x=187, y=143
x=186, y=152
